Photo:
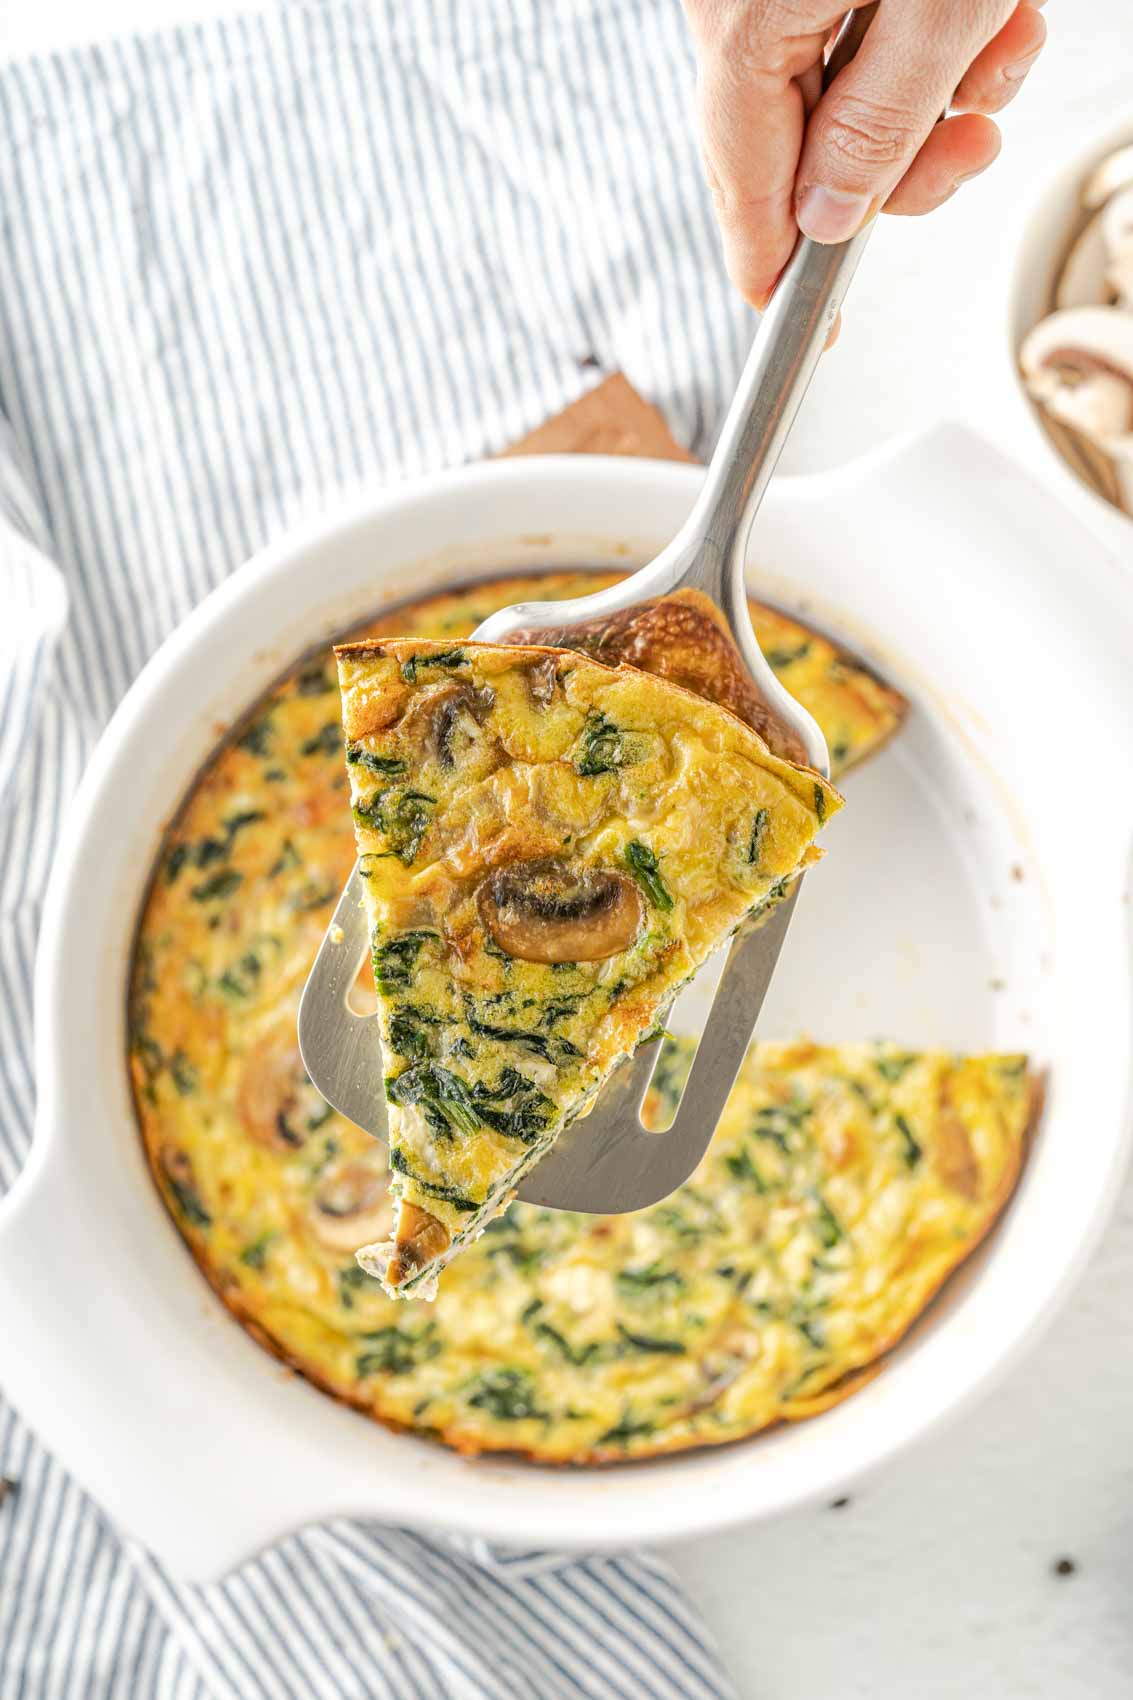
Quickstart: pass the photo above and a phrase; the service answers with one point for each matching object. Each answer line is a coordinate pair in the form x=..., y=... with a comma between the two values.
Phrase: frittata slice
x=550, y=849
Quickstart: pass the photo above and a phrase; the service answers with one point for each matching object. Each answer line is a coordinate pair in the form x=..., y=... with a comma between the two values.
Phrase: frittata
x=550, y=848
x=272, y=1190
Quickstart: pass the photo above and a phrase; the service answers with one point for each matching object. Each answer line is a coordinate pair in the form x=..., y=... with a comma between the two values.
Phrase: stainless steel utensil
x=607, y=1162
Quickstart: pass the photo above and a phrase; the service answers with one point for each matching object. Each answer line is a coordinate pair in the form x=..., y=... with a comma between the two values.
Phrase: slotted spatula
x=607, y=1162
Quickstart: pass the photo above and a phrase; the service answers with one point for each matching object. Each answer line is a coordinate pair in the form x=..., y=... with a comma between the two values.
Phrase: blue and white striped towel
x=246, y=269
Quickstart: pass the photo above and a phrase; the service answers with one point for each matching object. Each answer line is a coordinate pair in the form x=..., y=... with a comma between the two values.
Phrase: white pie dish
x=974, y=593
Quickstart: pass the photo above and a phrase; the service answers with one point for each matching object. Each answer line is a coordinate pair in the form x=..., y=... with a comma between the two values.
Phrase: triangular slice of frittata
x=550, y=848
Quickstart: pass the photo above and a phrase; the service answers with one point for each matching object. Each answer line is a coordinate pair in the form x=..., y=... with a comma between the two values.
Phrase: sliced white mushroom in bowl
x=1079, y=365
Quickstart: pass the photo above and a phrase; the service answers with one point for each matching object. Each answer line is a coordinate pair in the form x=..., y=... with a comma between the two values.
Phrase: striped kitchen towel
x=248, y=269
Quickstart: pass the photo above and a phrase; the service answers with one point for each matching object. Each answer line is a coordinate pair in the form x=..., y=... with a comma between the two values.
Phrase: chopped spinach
x=503, y=1237
x=741, y=1166
x=256, y=739
x=829, y=1227
x=536, y=1042
x=221, y=884
x=183, y=1074
x=397, y=1351
x=811, y=1331
x=315, y=680
x=312, y=895
x=447, y=1194
x=759, y=827
x=442, y=1097
x=443, y=658
x=514, y=1106
x=254, y=1256
x=634, y=1282
x=209, y=849
x=514, y=1035
x=603, y=747
x=350, y=1280
x=561, y=1008
x=240, y=980
x=643, y=865
x=912, y=1149
x=779, y=1123
x=327, y=741
x=627, y=1428
x=408, y=1033
x=819, y=803
x=288, y=857
x=178, y=1173
x=395, y=961
x=406, y=824
x=175, y=861
x=576, y=1355
x=893, y=1068
x=648, y=1343
x=780, y=658
x=507, y=1394
x=390, y=766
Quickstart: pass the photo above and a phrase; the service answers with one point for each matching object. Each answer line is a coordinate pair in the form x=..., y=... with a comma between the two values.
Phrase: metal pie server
x=607, y=1162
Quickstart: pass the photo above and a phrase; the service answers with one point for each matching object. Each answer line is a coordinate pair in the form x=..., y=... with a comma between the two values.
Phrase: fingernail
x=831, y=215
x=1016, y=72
x=967, y=176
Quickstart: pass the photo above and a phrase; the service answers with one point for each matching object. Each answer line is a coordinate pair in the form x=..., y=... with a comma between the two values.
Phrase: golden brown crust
x=680, y=638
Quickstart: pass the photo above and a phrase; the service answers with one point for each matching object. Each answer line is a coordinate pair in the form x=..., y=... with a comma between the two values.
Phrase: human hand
x=782, y=156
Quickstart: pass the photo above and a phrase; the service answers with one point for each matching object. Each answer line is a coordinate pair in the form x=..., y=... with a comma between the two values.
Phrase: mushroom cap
x=1114, y=173
x=1119, y=276
x=1117, y=223
x=1081, y=281
x=1079, y=365
x=550, y=911
x=351, y=1205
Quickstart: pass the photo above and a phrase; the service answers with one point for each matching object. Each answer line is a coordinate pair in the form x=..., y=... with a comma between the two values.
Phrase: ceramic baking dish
x=974, y=892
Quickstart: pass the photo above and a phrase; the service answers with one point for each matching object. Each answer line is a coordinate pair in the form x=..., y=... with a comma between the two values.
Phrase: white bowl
x=987, y=847
x=1048, y=228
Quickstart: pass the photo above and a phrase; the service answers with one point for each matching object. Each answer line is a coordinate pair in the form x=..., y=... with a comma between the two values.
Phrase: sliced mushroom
x=1112, y=175
x=439, y=711
x=1079, y=365
x=955, y=1159
x=276, y=1102
x=548, y=911
x=1117, y=222
x=420, y=1238
x=351, y=1205
x=542, y=679
x=1082, y=280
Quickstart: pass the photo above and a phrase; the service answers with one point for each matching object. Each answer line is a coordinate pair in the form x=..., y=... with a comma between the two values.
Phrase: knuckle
x=734, y=201
x=866, y=133
x=757, y=39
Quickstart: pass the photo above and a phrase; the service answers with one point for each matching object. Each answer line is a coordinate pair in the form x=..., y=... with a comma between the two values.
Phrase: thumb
x=870, y=124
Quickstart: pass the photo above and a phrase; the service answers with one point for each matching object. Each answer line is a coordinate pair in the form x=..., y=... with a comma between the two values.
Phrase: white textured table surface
x=938, y=1577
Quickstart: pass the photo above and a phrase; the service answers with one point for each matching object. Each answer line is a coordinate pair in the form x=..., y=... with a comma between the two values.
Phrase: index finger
x=752, y=119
